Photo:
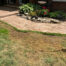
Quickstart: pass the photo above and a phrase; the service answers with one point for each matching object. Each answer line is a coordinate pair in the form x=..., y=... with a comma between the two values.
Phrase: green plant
x=43, y=12
x=25, y=8
x=33, y=13
x=34, y=6
x=29, y=7
x=64, y=14
x=57, y=14
x=53, y=14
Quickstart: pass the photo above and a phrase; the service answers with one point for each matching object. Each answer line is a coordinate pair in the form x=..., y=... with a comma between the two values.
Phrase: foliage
x=53, y=14
x=33, y=13
x=34, y=9
x=43, y=12
x=26, y=8
x=34, y=6
x=57, y=14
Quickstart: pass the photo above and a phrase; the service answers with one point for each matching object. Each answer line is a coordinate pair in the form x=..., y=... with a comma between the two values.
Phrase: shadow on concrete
x=5, y=8
x=9, y=9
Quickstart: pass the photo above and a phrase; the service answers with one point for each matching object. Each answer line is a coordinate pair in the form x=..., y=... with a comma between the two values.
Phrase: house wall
x=35, y=1
x=54, y=4
x=59, y=5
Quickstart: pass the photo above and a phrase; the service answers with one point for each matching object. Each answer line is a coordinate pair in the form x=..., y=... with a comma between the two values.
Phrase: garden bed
x=42, y=14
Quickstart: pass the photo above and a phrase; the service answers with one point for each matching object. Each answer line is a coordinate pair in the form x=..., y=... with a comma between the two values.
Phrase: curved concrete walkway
x=9, y=15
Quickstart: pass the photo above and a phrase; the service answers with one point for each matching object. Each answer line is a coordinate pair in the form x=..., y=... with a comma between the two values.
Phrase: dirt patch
x=32, y=49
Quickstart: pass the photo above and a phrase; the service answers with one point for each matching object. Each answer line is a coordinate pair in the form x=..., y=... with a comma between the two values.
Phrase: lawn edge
x=25, y=31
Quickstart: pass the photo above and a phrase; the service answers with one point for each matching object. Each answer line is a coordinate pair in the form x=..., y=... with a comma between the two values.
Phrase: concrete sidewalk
x=9, y=15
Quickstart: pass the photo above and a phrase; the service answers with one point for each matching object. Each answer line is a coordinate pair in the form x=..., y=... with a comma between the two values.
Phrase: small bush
x=53, y=15
x=57, y=15
x=26, y=8
x=34, y=6
x=42, y=12
x=33, y=13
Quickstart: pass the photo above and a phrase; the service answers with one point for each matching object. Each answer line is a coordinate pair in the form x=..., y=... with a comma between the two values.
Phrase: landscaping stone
x=55, y=21
x=40, y=19
x=28, y=17
x=48, y=20
x=23, y=16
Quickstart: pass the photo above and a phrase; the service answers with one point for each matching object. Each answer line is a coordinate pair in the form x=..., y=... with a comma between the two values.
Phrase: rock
x=34, y=18
x=50, y=20
x=55, y=21
x=28, y=17
x=44, y=20
x=24, y=16
x=19, y=14
x=40, y=19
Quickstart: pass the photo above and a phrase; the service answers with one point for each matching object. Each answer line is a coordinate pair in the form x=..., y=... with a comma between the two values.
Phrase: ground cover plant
x=30, y=48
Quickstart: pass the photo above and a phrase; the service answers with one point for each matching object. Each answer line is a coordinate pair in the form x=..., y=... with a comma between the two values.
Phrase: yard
x=30, y=48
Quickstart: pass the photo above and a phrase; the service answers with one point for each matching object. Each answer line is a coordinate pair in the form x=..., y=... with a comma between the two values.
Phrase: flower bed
x=36, y=12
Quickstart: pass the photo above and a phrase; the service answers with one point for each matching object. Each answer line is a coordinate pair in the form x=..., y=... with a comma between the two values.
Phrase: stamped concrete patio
x=9, y=15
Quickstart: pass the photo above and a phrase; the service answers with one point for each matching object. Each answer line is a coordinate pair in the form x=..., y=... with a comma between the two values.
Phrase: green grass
x=3, y=37
x=45, y=33
x=3, y=30
x=30, y=48
x=50, y=60
x=64, y=44
x=6, y=53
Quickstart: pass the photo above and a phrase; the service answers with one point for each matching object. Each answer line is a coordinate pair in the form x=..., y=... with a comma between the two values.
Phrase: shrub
x=64, y=14
x=57, y=15
x=26, y=8
x=34, y=6
x=43, y=12
x=33, y=13
x=53, y=14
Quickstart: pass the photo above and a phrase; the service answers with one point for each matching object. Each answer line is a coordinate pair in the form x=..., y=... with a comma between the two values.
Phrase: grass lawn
x=30, y=49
